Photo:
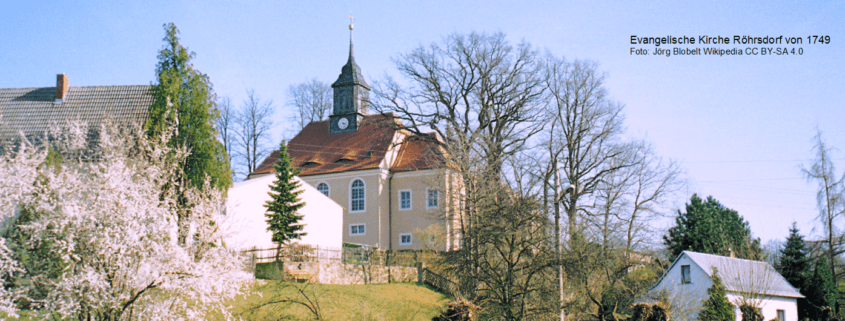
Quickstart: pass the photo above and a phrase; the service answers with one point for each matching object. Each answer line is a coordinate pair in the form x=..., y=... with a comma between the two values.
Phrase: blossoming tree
x=110, y=232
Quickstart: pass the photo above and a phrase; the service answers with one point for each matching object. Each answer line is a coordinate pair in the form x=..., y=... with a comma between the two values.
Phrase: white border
x=357, y=224
x=350, y=195
x=689, y=277
x=438, y=197
x=327, y=185
x=409, y=236
x=410, y=200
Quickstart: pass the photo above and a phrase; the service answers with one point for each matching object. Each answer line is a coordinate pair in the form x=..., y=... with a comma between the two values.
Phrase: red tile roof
x=315, y=151
x=418, y=153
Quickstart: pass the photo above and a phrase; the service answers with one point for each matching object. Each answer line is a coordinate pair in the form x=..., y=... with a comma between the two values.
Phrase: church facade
x=393, y=186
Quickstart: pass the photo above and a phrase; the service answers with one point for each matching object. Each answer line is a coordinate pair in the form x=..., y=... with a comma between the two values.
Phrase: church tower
x=351, y=96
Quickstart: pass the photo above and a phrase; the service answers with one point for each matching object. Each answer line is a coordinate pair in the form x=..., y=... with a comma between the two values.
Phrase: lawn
x=396, y=301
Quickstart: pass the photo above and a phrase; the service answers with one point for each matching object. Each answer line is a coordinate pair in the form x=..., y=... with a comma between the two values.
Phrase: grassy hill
x=396, y=301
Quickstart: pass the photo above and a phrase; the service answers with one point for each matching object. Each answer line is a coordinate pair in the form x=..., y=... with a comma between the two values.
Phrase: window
x=405, y=200
x=433, y=198
x=357, y=198
x=357, y=229
x=405, y=239
x=344, y=161
x=781, y=315
x=685, y=277
x=323, y=188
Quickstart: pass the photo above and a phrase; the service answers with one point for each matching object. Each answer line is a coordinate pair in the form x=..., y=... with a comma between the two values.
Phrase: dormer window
x=310, y=164
x=344, y=161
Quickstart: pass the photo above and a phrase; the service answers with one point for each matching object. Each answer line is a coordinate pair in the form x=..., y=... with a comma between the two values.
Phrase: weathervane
x=350, y=27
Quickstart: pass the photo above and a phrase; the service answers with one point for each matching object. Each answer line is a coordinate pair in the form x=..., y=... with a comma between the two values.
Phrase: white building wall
x=686, y=299
x=769, y=306
x=322, y=217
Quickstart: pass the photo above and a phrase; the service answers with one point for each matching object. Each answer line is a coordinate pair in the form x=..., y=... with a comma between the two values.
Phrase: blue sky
x=740, y=126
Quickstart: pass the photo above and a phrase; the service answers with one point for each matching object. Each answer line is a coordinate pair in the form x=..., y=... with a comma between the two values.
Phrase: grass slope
x=396, y=301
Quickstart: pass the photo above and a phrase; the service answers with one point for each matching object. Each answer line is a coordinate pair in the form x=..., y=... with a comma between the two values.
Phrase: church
x=395, y=191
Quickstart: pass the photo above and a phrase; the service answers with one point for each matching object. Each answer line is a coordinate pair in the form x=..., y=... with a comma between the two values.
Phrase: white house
x=322, y=217
x=686, y=281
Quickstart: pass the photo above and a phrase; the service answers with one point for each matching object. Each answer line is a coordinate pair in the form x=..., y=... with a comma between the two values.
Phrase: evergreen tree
x=750, y=313
x=282, y=217
x=717, y=307
x=184, y=96
x=710, y=227
x=821, y=288
x=794, y=265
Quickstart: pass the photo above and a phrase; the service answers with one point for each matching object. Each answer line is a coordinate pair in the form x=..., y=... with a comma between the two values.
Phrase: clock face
x=343, y=123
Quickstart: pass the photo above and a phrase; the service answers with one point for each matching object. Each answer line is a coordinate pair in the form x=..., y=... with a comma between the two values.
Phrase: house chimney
x=61, y=87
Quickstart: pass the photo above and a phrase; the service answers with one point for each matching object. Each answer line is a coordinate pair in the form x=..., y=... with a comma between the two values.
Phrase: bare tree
x=829, y=198
x=225, y=121
x=480, y=94
x=252, y=131
x=583, y=148
x=754, y=281
x=515, y=261
x=586, y=139
x=646, y=189
x=311, y=101
x=627, y=200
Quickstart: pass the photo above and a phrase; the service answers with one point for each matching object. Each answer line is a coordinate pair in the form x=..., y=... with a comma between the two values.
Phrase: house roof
x=741, y=275
x=315, y=151
x=417, y=153
x=31, y=111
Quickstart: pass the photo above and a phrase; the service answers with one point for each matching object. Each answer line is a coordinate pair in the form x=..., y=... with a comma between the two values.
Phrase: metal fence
x=440, y=282
x=350, y=255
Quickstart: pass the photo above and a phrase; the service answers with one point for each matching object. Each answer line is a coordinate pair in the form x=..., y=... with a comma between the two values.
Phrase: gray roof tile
x=31, y=111
x=740, y=275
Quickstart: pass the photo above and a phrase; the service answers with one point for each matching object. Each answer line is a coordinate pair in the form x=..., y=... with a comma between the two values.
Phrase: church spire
x=351, y=73
x=351, y=94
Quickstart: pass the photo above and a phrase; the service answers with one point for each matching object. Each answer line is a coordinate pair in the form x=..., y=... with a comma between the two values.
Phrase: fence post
x=387, y=263
x=419, y=273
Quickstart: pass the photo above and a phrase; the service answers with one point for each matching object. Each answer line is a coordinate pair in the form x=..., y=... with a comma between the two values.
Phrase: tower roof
x=351, y=73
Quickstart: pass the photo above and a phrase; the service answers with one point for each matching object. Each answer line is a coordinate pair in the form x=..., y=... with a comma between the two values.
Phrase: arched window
x=357, y=196
x=323, y=188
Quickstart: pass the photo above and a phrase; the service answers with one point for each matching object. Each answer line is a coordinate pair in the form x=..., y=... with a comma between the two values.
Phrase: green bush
x=270, y=271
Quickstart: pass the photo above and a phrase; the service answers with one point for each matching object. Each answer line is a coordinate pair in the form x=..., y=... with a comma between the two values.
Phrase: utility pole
x=558, y=196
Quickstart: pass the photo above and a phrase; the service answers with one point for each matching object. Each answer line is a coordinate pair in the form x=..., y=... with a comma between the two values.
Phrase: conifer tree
x=794, y=265
x=750, y=313
x=821, y=288
x=707, y=226
x=717, y=307
x=185, y=98
x=282, y=217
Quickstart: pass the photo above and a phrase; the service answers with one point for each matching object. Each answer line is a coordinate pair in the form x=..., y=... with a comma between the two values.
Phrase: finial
x=351, y=58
